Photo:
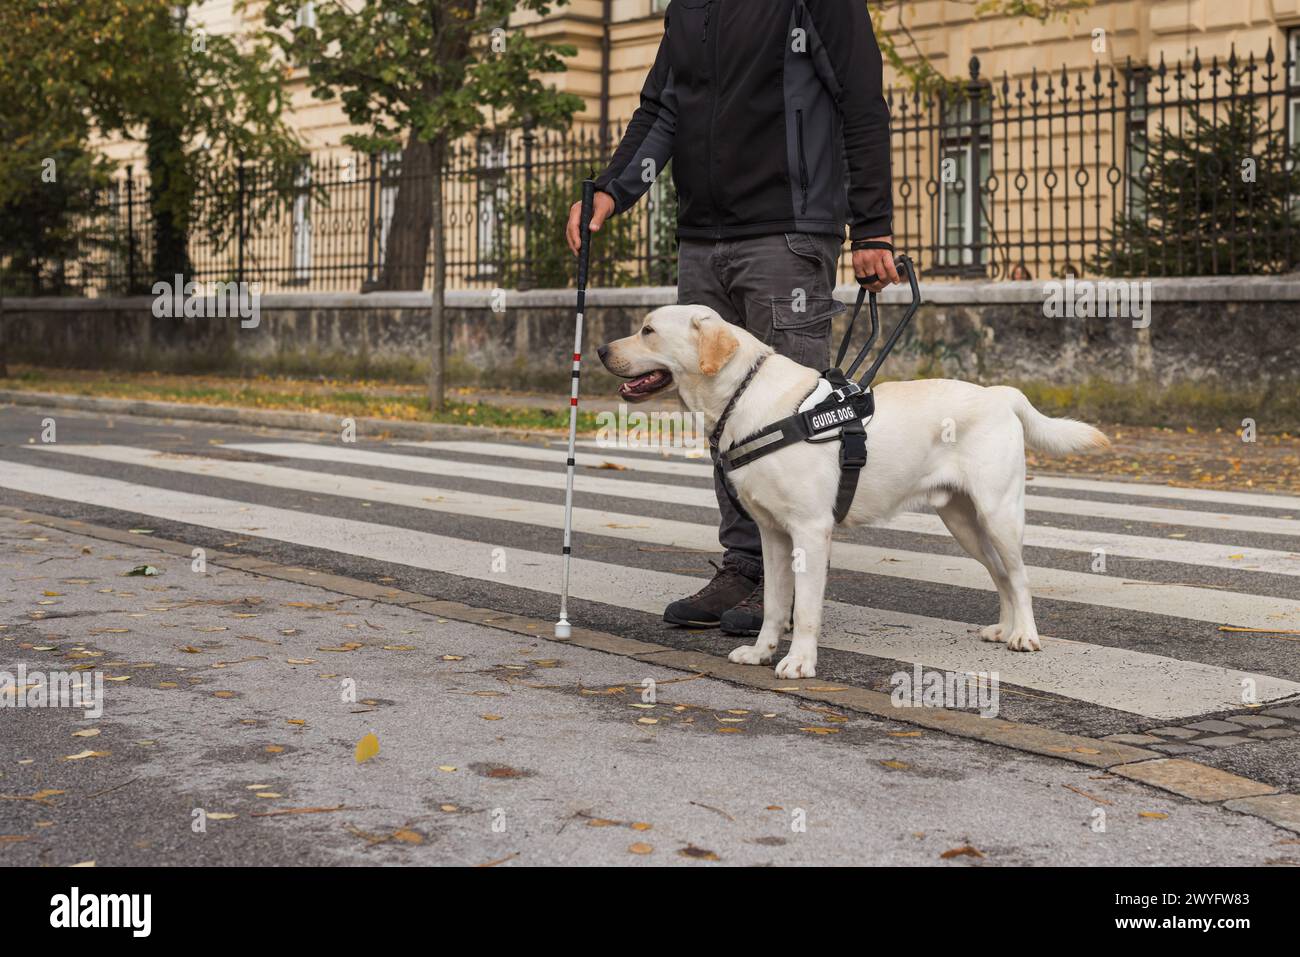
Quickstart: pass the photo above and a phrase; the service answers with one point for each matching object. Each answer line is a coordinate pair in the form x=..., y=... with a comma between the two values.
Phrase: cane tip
x=563, y=629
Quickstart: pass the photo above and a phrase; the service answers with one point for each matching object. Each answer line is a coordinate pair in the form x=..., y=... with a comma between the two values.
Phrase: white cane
x=562, y=627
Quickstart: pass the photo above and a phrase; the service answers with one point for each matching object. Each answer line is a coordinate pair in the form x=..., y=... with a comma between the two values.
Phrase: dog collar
x=735, y=397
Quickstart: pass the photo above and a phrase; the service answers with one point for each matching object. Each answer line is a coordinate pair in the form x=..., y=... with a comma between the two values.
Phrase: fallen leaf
x=367, y=748
x=639, y=848
x=1155, y=815
x=895, y=765
x=86, y=733
x=964, y=851
x=408, y=836
x=86, y=754
x=697, y=853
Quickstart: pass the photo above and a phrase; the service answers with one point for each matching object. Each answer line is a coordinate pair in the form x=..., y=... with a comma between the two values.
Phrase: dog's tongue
x=642, y=385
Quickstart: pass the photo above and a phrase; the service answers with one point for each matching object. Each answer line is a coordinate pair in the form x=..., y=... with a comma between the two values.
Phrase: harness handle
x=905, y=266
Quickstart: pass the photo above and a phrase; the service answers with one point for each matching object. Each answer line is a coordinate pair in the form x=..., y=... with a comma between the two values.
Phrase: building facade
x=1021, y=169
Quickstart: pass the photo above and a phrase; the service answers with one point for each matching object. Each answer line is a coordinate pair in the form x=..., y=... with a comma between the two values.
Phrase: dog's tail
x=1055, y=436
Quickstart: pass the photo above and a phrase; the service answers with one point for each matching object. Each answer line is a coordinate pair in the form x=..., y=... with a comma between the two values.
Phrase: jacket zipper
x=713, y=112
x=803, y=160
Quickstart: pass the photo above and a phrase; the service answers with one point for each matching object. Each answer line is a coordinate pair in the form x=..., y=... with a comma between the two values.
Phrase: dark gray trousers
x=779, y=288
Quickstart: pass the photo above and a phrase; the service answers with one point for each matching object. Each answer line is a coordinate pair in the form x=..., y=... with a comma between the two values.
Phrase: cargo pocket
x=801, y=328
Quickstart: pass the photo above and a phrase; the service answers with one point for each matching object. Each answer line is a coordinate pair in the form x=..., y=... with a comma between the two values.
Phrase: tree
x=134, y=69
x=1219, y=197
x=419, y=75
x=202, y=105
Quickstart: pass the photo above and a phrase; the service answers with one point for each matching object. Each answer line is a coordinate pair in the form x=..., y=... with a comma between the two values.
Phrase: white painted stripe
x=538, y=453
x=1132, y=546
x=1088, y=508
x=1126, y=511
x=1199, y=495
x=1148, y=685
x=695, y=462
x=1179, y=601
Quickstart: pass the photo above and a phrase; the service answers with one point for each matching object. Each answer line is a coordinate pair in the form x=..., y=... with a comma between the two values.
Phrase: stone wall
x=1234, y=332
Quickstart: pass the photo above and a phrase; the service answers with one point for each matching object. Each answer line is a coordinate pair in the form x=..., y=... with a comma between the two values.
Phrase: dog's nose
x=602, y=351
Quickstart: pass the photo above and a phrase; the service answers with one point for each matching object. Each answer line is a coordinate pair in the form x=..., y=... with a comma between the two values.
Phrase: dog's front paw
x=1024, y=641
x=751, y=655
x=797, y=665
x=992, y=633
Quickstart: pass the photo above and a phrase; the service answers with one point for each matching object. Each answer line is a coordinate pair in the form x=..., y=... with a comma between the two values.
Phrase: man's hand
x=875, y=262
x=601, y=210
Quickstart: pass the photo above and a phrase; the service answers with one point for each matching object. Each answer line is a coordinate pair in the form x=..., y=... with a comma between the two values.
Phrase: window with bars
x=1293, y=87
x=300, y=254
x=965, y=164
x=492, y=200
x=1137, y=141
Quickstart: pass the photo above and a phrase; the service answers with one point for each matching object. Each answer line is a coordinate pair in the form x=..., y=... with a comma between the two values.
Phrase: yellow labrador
x=953, y=445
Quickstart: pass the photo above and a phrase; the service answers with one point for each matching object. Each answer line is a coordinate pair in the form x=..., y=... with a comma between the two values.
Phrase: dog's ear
x=717, y=343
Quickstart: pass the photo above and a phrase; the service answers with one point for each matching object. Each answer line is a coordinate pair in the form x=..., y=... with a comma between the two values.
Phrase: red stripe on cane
x=577, y=357
x=573, y=401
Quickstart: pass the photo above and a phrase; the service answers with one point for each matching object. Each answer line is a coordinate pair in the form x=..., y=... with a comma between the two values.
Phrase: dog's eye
x=647, y=331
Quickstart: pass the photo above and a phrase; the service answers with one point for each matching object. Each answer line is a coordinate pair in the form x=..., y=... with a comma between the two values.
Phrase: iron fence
x=1134, y=169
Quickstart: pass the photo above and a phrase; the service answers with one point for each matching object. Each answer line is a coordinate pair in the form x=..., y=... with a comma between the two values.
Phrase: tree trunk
x=4, y=352
x=437, y=315
x=407, y=248
x=169, y=198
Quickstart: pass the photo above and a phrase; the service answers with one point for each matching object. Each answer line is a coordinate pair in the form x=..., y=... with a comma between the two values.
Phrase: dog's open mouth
x=644, y=386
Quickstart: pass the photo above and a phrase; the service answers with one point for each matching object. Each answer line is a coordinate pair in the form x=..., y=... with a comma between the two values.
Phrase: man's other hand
x=601, y=210
x=871, y=262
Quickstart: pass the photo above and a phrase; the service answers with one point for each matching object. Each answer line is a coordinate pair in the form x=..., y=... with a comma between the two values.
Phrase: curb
x=267, y=418
x=1188, y=779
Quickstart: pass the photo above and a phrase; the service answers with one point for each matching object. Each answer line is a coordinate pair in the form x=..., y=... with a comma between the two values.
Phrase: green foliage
x=438, y=70
x=71, y=70
x=44, y=226
x=1200, y=211
x=547, y=263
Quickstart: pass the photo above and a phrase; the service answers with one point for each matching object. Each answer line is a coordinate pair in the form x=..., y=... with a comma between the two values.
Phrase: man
x=773, y=114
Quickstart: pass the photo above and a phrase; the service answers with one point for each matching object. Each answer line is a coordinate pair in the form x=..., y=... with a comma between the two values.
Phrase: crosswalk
x=1146, y=642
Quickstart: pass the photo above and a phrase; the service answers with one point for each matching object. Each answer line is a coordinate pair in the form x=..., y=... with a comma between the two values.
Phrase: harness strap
x=843, y=410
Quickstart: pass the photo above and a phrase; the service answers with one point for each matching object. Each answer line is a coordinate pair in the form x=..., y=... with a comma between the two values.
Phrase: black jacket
x=773, y=115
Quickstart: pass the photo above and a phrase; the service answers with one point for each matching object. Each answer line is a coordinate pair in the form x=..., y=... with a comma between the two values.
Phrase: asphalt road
x=495, y=747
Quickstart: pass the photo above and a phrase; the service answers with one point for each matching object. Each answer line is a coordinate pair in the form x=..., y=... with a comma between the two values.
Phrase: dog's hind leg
x=962, y=521
x=778, y=597
x=812, y=547
x=1002, y=520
